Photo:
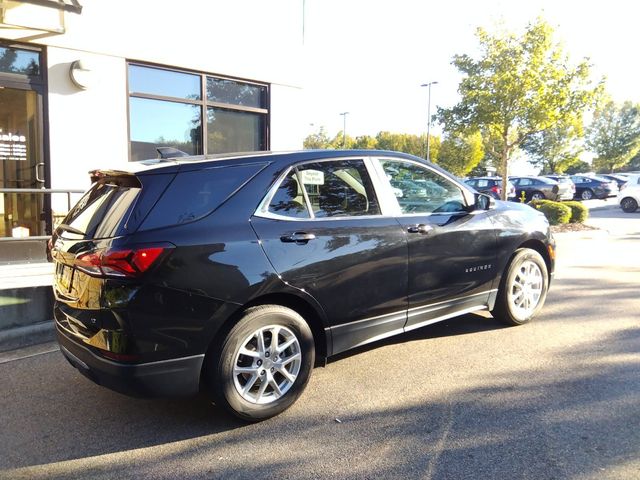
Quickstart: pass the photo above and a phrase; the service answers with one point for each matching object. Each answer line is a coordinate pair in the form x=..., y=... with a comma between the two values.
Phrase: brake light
x=118, y=263
x=496, y=189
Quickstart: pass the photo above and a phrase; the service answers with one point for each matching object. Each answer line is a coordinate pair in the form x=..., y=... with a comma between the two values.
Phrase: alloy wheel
x=526, y=289
x=629, y=205
x=267, y=364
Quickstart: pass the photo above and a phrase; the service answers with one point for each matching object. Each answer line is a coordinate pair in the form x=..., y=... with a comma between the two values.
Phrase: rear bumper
x=166, y=378
x=568, y=195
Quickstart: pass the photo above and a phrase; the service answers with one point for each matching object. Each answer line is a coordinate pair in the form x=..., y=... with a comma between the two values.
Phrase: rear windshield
x=103, y=210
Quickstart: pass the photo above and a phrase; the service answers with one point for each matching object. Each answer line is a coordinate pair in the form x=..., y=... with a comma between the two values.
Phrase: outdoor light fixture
x=80, y=74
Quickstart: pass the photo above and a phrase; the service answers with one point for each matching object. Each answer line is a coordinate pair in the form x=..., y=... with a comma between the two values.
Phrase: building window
x=19, y=61
x=167, y=108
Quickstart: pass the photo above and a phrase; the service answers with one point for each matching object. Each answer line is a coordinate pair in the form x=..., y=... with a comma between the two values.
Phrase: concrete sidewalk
x=26, y=302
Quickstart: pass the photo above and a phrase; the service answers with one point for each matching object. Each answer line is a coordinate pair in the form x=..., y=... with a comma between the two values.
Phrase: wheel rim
x=267, y=364
x=586, y=195
x=629, y=204
x=526, y=289
x=537, y=196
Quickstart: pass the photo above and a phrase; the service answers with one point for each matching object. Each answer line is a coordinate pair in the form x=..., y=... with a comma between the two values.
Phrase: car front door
x=451, y=249
x=323, y=230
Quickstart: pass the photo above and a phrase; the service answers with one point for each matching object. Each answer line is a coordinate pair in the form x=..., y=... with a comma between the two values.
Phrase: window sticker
x=312, y=177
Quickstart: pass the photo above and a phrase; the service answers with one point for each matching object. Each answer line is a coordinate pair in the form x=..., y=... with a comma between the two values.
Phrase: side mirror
x=484, y=202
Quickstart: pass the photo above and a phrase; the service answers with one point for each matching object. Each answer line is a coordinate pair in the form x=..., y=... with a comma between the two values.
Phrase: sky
x=369, y=57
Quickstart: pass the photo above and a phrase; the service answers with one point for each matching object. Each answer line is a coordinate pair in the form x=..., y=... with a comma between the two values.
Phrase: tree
x=412, y=144
x=317, y=141
x=461, y=153
x=519, y=87
x=555, y=149
x=399, y=142
x=578, y=167
x=342, y=142
x=365, y=142
x=614, y=135
x=633, y=165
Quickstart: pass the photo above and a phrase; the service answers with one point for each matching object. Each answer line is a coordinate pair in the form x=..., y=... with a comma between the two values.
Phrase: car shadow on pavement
x=549, y=421
x=465, y=324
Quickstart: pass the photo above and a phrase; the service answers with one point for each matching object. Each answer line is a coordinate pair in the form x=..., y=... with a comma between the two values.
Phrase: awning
x=32, y=19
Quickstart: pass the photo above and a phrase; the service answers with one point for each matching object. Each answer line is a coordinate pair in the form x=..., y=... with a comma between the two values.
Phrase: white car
x=629, y=196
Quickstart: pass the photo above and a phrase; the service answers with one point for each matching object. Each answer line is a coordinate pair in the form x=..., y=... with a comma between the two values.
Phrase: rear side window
x=195, y=194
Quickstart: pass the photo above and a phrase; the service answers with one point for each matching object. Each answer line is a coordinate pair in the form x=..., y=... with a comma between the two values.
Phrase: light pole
x=344, y=129
x=428, y=85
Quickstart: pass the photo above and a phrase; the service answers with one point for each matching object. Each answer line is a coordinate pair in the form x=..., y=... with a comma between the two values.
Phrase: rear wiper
x=69, y=228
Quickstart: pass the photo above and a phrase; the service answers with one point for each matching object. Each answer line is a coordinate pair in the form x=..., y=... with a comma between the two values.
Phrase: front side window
x=326, y=189
x=194, y=112
x=419, y=189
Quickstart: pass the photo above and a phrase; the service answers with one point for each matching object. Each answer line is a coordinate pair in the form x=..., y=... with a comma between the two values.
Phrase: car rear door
x=322, y=228
x=451, y=250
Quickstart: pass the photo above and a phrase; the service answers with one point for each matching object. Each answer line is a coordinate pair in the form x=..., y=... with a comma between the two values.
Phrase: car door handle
x=298, y=237
x=420, y=228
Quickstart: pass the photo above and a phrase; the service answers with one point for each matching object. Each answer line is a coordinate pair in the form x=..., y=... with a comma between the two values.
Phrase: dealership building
x=88, y=84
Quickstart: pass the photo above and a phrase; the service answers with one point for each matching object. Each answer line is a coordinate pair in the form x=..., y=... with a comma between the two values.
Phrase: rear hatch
x=94, y=243
x=82, y=245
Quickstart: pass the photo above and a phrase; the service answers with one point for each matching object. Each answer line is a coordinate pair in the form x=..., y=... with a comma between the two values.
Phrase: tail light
x=119, y=263
x=496, y=189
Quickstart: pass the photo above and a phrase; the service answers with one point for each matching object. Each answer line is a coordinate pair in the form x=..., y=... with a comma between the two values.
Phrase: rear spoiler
x=99, y=174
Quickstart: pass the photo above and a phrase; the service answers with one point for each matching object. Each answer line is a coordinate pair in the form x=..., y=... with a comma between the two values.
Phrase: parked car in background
x=593, y=186
x=491, y=186
x=536, y=188
x=233, y=273
x=619, y=178
x=629, y=195
x=567, y=189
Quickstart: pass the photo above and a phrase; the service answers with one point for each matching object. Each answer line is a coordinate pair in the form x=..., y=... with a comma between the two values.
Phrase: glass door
x=21, y=163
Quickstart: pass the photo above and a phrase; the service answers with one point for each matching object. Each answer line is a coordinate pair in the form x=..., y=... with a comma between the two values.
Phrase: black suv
x=235, y=273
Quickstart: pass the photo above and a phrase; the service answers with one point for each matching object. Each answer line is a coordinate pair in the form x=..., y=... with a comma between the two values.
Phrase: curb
x=19, y=337
x=587, y=234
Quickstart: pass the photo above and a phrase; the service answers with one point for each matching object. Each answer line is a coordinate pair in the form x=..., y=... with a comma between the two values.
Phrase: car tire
x=586, y=194
x=523, y=288
x=537, y=196
x=252, y=377
x=628, y=205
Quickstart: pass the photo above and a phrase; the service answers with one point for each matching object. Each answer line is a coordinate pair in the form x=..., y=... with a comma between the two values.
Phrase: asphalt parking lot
x=464, y=399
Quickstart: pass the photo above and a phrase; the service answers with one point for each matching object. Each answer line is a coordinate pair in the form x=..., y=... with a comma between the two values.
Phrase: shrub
x=557, y=213
x=579, y=213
